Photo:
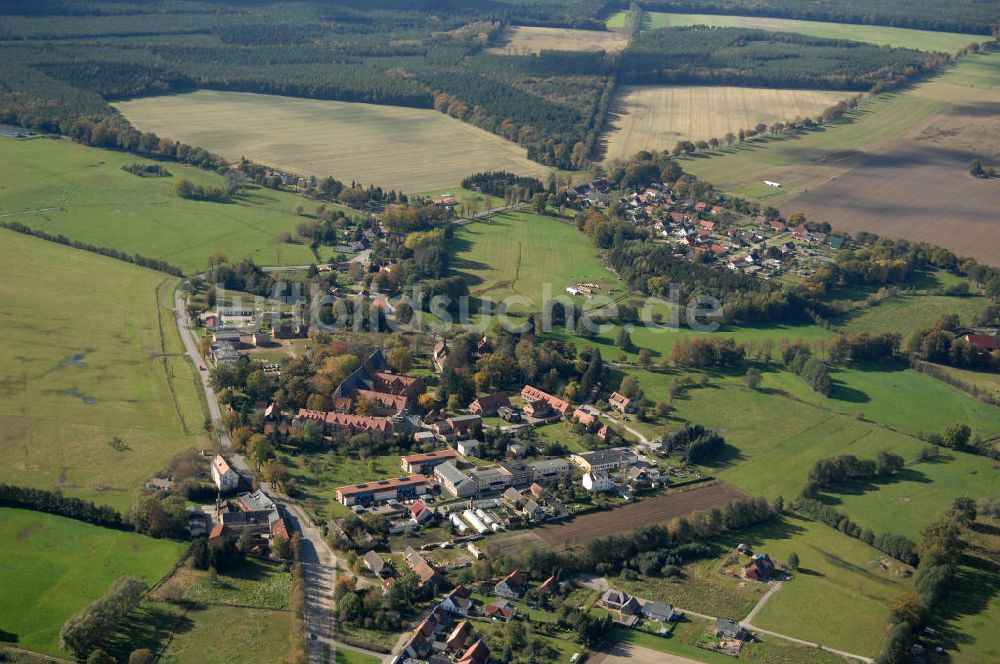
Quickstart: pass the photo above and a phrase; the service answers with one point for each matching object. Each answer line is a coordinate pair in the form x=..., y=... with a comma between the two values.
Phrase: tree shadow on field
x=974, y=587
x=728, y=457
x=843, y=392
x=150, y=626
x=861, y=487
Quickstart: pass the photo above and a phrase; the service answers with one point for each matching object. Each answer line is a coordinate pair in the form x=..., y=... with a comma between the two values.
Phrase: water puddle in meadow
x=72, y=360
x=87, y=399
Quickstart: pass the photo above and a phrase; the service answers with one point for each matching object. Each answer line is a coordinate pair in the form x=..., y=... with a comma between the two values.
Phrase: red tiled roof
x=344, y=421
x=436, y=455
x=221, y=464
x=982, y=341
x=478, y=653
x=392, y=482
x=489, y=404
x=529, y=393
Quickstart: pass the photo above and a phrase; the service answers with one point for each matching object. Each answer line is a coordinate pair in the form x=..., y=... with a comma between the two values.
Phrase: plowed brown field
x=660, y=509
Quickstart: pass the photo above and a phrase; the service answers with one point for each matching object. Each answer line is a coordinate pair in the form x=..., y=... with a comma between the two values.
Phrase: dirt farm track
x=660, y=509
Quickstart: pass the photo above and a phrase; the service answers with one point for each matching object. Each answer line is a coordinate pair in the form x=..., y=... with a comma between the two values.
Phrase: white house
x=223, y=475
x=468, y=447
x=598, y=481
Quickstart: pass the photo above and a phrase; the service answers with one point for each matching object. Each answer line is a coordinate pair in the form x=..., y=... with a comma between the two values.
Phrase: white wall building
x=223, y=475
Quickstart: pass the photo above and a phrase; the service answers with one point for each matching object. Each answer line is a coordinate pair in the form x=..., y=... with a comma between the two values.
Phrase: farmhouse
x=620, y=402
x=225, y=478
x=410, y=486
x=658, y=611
x=760, y=567
x=424, y=571
x=729, y=629
x=598, y=481
x=532, y=395
x=512, y=586
x=508, y=414
x=377, y=565
x=420, y=513
x=426, y=462
x=487, y=406
x=478, y=653
x=984, y=342
x=585, y=418
x=501, y=610
x=456, y=640
x=458, y=426
x=625, y=605
x=224, y=352
x=457, y=601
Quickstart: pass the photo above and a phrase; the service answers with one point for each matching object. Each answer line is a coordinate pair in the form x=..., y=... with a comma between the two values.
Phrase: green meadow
x=899, y=398
x=91, y=353
x=516, y=254
x=82, y=193
x=924, y=40
x=54, y=566
x=775, y=434
x=229, y=635
x=969, y=615
x=846, y=573
x=906, y=313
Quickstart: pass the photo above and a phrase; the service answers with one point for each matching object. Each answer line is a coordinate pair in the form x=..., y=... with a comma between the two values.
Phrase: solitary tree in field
x=753, y=378
x=793, y=561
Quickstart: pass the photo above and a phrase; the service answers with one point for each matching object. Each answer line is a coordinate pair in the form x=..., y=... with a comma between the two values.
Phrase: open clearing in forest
x=91, y=352
x=407, y=149
x=54, y=566
x=657, y=116
x=521, y=40
x=924, y=40
x=660, y=509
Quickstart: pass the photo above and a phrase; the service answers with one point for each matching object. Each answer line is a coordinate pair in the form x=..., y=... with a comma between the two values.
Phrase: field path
x=601, y=584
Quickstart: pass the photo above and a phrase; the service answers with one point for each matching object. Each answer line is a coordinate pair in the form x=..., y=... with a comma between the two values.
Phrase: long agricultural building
x=398, y=488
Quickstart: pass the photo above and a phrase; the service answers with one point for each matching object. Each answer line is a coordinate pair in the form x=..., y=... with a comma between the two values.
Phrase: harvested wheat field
x=660, y=509
x=525, y=40
x=408, y=149
x=657, y=116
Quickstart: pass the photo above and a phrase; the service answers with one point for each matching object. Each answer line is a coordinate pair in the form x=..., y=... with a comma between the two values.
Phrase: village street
x=319, y=562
